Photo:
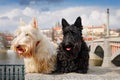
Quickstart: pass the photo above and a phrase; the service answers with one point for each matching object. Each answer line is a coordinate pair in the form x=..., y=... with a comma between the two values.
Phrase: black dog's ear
x=78, y=23
x=64, y=23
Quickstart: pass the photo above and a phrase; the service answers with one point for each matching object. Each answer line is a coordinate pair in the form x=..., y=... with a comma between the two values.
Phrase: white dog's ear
x=35, y=23
x=22, y=22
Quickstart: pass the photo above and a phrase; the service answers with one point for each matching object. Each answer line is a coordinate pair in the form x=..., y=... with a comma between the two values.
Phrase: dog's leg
x=83, y=65
x=83, y=60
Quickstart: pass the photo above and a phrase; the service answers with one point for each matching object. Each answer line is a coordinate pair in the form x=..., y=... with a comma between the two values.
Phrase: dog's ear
x=35, y=23
x=64, y=23
x=78, y=23
x=22, y=22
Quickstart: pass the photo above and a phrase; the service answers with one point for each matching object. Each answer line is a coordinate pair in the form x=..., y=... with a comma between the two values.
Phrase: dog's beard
x=68, y=48
x=70, y=45
x=24, y=50
x=73, y=48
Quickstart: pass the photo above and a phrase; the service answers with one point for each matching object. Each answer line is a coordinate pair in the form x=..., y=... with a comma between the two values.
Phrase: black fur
x=73, y=53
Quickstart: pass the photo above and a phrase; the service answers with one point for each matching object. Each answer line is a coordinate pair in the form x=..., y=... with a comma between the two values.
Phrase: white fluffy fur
x=38, y=52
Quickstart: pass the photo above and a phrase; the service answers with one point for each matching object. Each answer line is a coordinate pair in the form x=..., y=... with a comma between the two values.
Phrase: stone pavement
x=94, y=73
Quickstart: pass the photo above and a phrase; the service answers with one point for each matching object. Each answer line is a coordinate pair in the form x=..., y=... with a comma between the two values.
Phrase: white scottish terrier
x=38, y=52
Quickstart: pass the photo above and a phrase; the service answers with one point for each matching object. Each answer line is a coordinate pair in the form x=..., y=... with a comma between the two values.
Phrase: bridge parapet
x=109, y=47
x=115, y=46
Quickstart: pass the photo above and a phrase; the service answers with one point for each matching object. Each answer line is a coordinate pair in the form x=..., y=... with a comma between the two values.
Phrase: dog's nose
x=18, y=46
x=66, y=44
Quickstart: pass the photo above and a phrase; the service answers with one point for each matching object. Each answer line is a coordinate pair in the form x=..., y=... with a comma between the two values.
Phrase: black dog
x=73, y=53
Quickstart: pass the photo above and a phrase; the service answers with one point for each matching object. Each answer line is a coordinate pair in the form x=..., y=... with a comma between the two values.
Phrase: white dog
x=38, y=52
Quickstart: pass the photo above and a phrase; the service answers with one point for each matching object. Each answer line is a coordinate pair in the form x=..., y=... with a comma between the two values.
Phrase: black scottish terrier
x=73, y=53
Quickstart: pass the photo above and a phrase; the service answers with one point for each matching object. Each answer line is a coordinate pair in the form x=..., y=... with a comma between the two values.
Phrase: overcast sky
x=49, y=12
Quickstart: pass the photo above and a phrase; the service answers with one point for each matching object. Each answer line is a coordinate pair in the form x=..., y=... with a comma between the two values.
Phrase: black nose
x=67, y=44
x=18, y=46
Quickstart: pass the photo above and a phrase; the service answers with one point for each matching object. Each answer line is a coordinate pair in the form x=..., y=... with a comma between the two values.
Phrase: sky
x=50, y=12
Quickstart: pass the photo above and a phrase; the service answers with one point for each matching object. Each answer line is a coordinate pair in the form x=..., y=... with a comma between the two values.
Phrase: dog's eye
x=15, y=36
x=26, y=34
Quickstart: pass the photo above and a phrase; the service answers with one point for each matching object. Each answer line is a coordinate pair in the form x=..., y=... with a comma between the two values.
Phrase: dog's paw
x=82, y=71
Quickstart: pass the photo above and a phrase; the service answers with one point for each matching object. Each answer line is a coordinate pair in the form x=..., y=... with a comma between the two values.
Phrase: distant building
x=89, y=32
x=9, y=39
x=94, y=30
x=114, y=32
x=5, y=39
